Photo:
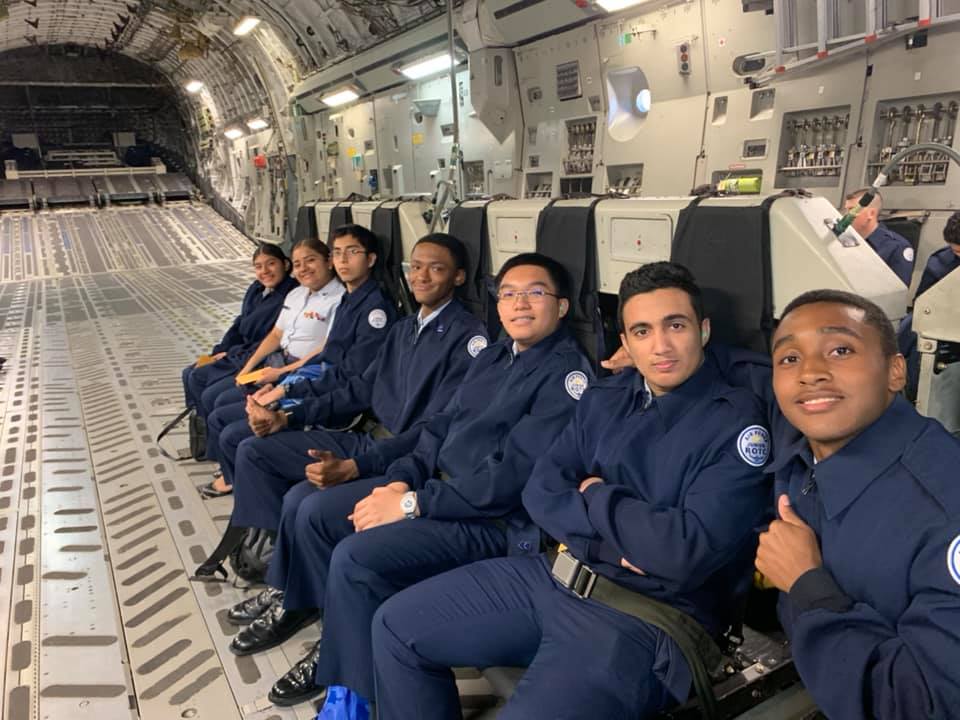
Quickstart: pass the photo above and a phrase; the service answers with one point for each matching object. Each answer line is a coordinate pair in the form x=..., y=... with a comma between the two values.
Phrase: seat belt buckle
x=573, y=574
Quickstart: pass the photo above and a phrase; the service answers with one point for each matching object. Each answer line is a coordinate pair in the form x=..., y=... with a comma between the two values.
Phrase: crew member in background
x=893, y=249
x=945, y=260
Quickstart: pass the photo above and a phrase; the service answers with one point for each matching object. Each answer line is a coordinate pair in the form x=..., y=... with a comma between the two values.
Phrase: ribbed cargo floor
x=99, y=311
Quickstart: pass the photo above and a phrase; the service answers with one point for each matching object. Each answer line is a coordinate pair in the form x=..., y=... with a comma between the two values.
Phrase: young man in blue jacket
x=454, y=500
x=866, y=550
x=654, y=487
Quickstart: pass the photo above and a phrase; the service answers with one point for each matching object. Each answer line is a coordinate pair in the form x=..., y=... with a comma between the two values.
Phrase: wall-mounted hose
x=867, y=198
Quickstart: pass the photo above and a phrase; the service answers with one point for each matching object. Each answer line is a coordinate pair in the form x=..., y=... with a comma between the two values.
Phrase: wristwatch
x=408, y=503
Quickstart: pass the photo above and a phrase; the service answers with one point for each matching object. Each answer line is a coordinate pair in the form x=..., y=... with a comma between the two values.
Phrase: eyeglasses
x=350, y=252
x=535, y=295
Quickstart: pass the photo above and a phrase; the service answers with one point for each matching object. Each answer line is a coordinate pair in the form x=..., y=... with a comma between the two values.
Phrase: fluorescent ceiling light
x=233, y=133
x=614, y=5
x=257, y=124
x=194, y=86
x=339, y=97
x=428, y=66
x=245, y=25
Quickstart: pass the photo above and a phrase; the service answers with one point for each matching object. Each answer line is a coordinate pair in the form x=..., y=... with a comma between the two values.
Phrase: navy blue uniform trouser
x=266, y=468
x=197, y=380
x=584, y=660
x=230, y=410
x=312, y=522
x=218, y=393
x=368, y=567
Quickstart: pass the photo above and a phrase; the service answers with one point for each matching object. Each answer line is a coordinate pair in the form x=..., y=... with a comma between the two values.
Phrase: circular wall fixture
x=630, y=102
x=643, y=101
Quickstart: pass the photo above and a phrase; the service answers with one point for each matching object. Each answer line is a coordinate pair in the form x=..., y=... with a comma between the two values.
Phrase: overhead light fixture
x=615, y=5
x=257, y=124
x=246, y=25
x=233, y=133
x=340, y=97
x=427, y=66
x=194, y=86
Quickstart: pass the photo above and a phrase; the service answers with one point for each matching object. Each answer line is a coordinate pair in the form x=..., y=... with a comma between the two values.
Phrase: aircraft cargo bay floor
x=99, y=311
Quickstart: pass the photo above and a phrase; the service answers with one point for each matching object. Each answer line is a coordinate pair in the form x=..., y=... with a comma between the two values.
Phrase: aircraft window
x=630, y=102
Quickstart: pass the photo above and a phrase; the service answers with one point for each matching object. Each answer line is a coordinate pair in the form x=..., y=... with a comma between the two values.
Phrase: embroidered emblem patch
x=908, y=254
x=377, y=319
x=953, y=559
x=754, y=445
x=576, y=384
x=476, y=345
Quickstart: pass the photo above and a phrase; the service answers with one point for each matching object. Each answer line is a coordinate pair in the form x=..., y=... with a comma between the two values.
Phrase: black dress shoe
x=270, y=629
x=298, y=686
x=244, y=613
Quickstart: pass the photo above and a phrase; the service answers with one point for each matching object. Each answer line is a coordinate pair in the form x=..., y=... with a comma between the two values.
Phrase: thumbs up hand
x=788, y=548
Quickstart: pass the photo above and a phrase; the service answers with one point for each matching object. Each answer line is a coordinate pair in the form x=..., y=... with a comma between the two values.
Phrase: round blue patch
x=754, y=445
x=576, y=384
x=953, y=559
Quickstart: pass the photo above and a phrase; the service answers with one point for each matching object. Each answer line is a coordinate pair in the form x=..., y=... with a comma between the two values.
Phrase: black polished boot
x=298, y=685
x=270, y=629
x=244, y=613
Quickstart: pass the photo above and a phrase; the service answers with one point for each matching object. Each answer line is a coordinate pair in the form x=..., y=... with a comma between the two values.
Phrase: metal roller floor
x=99, y=311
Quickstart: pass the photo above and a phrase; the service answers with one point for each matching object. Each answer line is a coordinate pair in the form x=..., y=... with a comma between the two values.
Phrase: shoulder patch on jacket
x=576, y=384
x=476, y=345
x=753, y=445
x=377, y=319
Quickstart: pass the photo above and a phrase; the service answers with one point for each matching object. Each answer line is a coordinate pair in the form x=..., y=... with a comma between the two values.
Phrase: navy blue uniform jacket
x=876, y=630
x=683, y=489
x=939, y=265
x=412, y=378
x=258, y=316
x=894, y=250
x=506, y=413
x=360, y=327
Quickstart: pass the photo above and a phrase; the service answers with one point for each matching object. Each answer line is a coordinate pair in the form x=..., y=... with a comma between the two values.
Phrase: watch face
x=408, y=503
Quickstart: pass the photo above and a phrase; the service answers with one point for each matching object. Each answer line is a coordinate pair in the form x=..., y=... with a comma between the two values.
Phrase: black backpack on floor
x=197, y=428
x=247, y=550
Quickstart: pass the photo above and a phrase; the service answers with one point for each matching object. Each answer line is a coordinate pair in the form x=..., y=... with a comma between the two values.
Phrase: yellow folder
x=250, y=377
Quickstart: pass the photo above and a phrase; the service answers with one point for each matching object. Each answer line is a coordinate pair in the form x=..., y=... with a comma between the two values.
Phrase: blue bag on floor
x=344, y=704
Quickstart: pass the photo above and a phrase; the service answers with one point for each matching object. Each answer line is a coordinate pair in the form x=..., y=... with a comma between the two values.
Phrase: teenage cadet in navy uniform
x=895, y=250
x=421, y=362
x=945, y=260
x=302, y=328
x=656, y=485
x=258, y=314
x=407, y=524
x=867, y=548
